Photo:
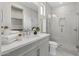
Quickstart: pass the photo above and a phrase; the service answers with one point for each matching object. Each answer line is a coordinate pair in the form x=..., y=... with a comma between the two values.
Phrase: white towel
x=9, y=38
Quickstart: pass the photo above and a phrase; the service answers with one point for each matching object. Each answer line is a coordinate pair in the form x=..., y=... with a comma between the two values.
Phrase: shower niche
x=62, y=21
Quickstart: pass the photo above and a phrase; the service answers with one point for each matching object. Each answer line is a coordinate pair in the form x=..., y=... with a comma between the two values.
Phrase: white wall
x=0, y=30
x=5, y=7
x=68, y=37
x=30, y=18
x=48, y=18
x=77, y=13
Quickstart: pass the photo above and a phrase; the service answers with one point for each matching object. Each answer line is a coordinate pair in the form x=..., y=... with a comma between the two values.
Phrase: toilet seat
x=53, y=43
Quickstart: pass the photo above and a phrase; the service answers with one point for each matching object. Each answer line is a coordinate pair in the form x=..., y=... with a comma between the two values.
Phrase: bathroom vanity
x=19, y=17
x=36, y=45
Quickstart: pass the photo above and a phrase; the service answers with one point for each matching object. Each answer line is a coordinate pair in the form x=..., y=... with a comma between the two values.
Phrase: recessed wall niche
x=16, y=18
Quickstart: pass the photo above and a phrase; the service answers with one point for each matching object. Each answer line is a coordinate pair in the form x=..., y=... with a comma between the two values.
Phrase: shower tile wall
x=67, y=38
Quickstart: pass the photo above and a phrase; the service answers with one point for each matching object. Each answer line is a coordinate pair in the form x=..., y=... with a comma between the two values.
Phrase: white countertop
x=18, y=44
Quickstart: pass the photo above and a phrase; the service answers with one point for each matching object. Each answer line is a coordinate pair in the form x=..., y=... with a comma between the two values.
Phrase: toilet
x=52, y=47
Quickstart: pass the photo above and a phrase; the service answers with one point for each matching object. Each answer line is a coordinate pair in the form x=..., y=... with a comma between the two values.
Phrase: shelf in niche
x=15, y=21
x=17, y=25
x=13, y=18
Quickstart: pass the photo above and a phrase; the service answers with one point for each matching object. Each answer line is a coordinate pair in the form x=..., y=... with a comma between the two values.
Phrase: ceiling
x=58, y=4
x=29, y=5
x=34, y=6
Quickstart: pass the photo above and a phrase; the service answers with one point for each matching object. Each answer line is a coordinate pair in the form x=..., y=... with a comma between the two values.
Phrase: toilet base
x=52, y=47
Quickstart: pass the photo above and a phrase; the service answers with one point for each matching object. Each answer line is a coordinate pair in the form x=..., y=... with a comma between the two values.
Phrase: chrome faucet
x=27, y=31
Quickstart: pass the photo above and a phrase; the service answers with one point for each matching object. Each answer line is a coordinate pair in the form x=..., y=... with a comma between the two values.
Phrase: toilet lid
x=52, y=42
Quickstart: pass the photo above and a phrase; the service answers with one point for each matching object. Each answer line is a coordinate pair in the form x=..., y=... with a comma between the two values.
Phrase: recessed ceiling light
x=54, y=15
x=60, y=2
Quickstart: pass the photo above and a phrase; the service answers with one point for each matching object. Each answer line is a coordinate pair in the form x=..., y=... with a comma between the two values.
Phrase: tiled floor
x=63, y=52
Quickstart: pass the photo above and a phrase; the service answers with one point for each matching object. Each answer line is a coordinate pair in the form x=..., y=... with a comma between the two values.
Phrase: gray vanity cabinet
x=44, y=47
x=41, y=49
x=37, y=48
x=32, y=52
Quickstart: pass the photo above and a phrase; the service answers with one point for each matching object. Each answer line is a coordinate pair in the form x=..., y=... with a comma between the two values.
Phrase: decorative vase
x=35, y=32
x=19, y=38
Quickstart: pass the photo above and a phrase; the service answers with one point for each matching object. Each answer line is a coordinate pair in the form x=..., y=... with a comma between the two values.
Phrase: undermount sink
x=32, y=36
